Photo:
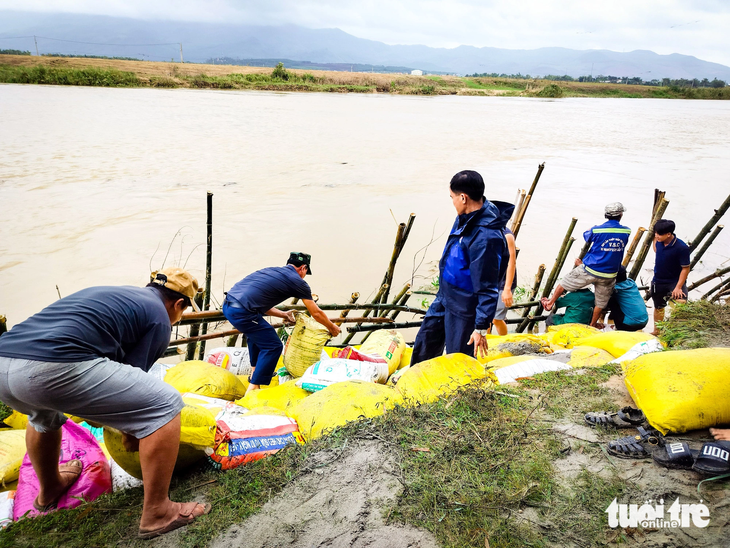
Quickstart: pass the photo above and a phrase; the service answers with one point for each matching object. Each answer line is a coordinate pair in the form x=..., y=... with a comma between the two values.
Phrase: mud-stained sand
x=651, y=482
x=339, y=503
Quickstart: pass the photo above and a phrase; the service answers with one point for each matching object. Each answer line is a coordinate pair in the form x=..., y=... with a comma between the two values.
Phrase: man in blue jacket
x=600, y=264
x=469, y=274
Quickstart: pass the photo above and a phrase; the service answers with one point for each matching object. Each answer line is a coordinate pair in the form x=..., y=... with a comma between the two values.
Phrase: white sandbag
x=327, y=372
x=159, y=370
x=234, y=359
x=7, y=503
x=526, y=369
x=639, y=349
x=121, y=480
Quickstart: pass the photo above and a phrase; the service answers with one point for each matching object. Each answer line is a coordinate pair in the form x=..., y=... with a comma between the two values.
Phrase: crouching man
x=87, y=355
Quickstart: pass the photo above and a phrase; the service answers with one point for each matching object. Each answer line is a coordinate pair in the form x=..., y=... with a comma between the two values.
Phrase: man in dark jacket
x=469, y=274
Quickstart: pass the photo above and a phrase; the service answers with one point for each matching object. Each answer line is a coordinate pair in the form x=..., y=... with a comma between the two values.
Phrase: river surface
x=98, y=185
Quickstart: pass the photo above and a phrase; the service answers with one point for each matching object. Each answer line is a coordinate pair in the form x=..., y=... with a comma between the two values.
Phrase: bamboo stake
x=718, y=287
x=725, y=292
x=519, y=200
x=402, y=302
x=716, y=274
x=528, y=198
x=584, y=250
x=361, y=328
x=714, y=219
x=353, y=299
x=208, y=268
x=564, y=256
x=524, y=305
x=707, y=244
x=555, y=272
x=384, y=312
x=632, y=248
x=639, y=262
x=533, y=294
x=376, y=300
x=3, y=325
x=232, y=340
x=194, y=330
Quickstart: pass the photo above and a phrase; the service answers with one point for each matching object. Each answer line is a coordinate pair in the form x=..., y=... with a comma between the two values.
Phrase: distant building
x=417, y=72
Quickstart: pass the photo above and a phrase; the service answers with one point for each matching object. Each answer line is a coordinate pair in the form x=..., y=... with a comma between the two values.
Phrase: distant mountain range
x=116, y=36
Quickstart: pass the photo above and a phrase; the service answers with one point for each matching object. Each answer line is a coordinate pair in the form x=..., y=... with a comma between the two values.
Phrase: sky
x=698, y=28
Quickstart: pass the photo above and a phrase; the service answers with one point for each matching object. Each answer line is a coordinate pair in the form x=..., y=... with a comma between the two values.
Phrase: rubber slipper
x=628, y=417
x=676, y=455
x=186, y=516
x=636, y=447
x=72, y=468
x=714, y=459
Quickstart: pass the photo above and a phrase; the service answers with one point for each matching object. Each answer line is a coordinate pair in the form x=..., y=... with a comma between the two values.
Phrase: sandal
x=636, y=447
x=714, y=459
x=628, y=417
x=676, y=455
x=71, y=468
x=186, y=516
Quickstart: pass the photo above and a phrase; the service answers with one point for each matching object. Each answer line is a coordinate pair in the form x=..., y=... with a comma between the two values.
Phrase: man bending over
x=87, y=355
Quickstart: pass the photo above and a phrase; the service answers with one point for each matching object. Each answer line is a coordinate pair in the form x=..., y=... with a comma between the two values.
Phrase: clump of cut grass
x=697, y=324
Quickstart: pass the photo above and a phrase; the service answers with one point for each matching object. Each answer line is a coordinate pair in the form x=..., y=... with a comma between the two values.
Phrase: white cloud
x=665, y=26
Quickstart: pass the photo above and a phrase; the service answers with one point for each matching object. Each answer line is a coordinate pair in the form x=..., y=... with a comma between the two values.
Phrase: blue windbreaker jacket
x=608, y=242
x=472, y=263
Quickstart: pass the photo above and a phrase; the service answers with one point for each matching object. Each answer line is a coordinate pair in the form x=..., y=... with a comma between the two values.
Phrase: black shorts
x=661, y=293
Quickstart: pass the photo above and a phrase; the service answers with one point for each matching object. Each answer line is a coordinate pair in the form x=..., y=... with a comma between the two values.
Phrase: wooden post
x=705, y=246
x=194, y=331
x=208, y=268
x=552, y=282
x=718, y=287
x=533, y=294
x=518, y=220
x=632, y=248
x=375, y=300
x=404, y=229
x=3, y=325
x=518, y=206
x=385, y=311
x=353, y=299
x=639, y=262
x=233, y=339
x=714, y=219
x=402, y=302
x=555, y=272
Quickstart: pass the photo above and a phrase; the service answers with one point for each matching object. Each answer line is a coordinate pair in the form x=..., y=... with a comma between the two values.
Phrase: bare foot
x=130, y=443
x=720, y=433
x=546, y=304
x=175, y=515
x=69, y=472
x=252, y=387
x=655, y=333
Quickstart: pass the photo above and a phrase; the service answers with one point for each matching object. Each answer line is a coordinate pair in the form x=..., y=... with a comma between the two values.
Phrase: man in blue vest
x=600, y=264
x=256, y=296
x=470, y=270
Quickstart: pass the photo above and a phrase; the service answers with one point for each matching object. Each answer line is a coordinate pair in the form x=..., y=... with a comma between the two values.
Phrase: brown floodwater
x=97, y=185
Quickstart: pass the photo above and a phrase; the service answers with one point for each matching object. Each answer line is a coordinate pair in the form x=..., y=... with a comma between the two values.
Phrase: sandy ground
x=338, y=503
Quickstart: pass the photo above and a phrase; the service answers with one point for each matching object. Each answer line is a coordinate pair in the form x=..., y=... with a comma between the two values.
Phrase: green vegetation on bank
x=697, y=324
x=281, y=79
x=481, y=464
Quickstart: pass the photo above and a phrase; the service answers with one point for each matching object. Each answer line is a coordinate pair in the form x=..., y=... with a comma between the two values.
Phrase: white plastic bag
x=639, y=349
x=324, y=373
x=527, y=368
x=7, y=503
x=234, y=359
x=121, y=480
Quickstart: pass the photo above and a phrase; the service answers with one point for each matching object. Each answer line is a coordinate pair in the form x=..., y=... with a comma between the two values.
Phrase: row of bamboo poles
x=381, y=312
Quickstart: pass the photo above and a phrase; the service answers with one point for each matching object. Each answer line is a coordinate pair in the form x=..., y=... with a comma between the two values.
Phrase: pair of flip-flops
x=713, y=459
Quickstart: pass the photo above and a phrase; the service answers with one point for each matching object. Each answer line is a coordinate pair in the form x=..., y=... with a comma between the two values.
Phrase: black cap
x=297, y=258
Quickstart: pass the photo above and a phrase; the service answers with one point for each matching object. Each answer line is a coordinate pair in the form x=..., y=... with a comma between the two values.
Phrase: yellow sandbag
x=405, y=358
x=565, y=335
x=206, y=379
x=16, y=420
x=388, y=344
x=304, y=346
x=341, y=403
x=428, y=381
x=281, y=397
x=12, y=451
x=395, y=377
x=681, y=390
x=265, y=410
x=588, y=356
x=197, y=431
x=506, y=362
x=616, y=343
x=514, y=344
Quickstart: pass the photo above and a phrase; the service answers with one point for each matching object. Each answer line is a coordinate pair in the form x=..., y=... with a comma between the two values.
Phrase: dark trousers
x=264, y=345
x=440, y=329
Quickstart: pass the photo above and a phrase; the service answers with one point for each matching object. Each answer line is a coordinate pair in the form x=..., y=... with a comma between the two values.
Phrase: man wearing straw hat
x=256, y=296
x=601, y=263
x=87, y=355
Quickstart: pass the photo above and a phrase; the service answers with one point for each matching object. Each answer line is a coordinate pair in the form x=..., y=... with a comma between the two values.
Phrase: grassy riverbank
x=24, y=69
x=697, y=324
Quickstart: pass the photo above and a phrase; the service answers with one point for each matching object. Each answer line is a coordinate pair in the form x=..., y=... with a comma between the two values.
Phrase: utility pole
x=181, y=57
x=36, y=46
